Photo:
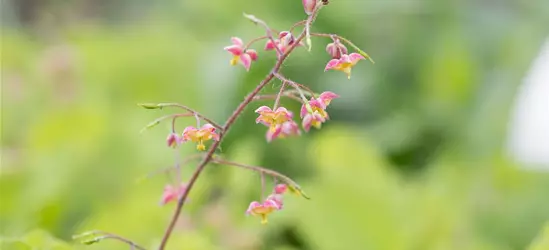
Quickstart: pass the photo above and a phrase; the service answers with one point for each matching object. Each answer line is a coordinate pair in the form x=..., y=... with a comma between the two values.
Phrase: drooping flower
x=273, y=119
x=239, y=55
x=280, y=188
x=309, y=6
x=288, y=128
x=173, y=140
x=317, y=113
x=171, y=193
x=205, y=133
x=262, y=209
x=345, y=63
x=284, y=41
x=336, y=49
x=277, y=199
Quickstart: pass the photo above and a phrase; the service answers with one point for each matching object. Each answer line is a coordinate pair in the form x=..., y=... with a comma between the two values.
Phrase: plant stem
x=273, y=97
x=194, y=112
x=277, y=100
x=228, y=124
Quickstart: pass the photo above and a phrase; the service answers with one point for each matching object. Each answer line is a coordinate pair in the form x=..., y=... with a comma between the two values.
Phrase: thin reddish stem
x=273, y=97
x=268, y=30
x=303, y=22
x=194, y=112
x=277, y=100
x=294, y=84
x=251, y=42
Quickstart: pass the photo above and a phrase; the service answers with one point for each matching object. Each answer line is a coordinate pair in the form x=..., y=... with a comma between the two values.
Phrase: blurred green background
x=412, y=158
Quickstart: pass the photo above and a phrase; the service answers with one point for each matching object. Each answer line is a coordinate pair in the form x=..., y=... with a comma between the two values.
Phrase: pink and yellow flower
x=286, y=129
x=239, y=55
x=345, y=63
x=172, y=193
x=205, y=133
x=273, y=119
x=317, y=113
x=262, y=209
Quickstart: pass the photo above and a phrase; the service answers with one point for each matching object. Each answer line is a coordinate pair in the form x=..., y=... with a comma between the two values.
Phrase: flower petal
x=237, y=41
x=327, y=96
x=252, y=53
x=263, y=109
x=355, y=57
x=307, y=122
x=246, y=61
x=234, y=49
x=331, y=64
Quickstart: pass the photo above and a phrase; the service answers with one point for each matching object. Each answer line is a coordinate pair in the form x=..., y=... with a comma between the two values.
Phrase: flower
x=277, y=199
x=345, y=63
x=336, y=49
x=309, y=6
x=273, y=119
x=289, y=128
x=172, y=193
x=173, y=140
x=205, y=133
x=280, y=188
x=262, y=209
x=285, y=40
x=316, y=114
x=239, y=55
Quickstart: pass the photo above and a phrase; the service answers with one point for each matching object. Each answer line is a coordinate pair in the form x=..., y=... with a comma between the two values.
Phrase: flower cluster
x=279, y=121
x=273, y=202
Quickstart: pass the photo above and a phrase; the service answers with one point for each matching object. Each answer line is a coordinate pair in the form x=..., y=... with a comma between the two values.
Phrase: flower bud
x=280, y=188
x=172, y=140
x=336, y=49
x=309, y=6
x=286, y=38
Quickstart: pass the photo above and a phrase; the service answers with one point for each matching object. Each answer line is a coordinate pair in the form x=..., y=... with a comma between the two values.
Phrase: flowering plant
x=280, y=121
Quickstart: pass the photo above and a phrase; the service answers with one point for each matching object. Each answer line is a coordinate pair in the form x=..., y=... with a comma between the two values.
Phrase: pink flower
x=289, y=128
x=336, y=49
x=262, y=209
x=280, y=189
x=205, y=133
x=285, y=40
x=277, y=199
x=309, y=6
x=173, y=140
x=345, y=63
x=317, y=115
x=271, y=118
x=171, y=193
x=239, y=55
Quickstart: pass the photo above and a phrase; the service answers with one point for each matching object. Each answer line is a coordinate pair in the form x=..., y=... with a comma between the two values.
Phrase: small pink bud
x=252, y=53
x=172, y=140
x=309, y=6
x=336, y=49
x=280, y=188
x=286, y=38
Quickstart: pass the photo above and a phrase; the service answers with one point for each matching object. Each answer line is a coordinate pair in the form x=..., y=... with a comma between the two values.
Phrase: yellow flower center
x=235, y=59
